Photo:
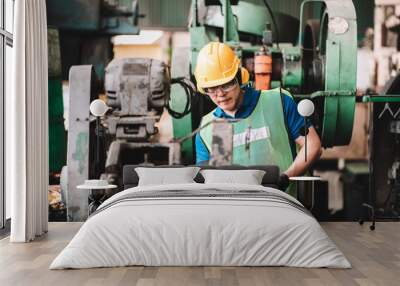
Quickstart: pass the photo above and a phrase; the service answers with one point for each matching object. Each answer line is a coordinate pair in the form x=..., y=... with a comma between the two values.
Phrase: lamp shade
x=98, y=107
x=305, y=107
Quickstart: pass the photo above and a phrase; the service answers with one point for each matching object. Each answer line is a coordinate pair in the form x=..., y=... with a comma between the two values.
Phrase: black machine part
x=385, y=153
x=313, y=62
x=218, y=2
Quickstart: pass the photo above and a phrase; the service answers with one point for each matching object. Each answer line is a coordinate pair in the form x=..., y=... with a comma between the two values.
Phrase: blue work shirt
x=294, y=120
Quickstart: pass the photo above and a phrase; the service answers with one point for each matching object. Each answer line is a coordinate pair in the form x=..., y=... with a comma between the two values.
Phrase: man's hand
x=283, y=181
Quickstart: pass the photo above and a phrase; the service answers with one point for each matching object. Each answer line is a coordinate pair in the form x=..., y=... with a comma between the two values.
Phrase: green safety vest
x=261, y=138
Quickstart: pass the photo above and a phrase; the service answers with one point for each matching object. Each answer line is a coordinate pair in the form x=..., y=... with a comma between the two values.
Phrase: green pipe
x=381, y=98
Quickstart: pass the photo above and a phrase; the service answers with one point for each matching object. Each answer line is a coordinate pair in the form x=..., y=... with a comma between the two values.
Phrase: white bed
x=203, y=225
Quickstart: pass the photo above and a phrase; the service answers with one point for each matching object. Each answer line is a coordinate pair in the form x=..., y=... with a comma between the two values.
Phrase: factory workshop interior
x=199, y=142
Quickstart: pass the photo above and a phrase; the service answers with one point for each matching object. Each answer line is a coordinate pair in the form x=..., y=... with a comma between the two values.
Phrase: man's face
x=225, y=96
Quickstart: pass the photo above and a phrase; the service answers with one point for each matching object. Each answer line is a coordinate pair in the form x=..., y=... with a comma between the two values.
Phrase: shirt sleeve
x=202, y=154
x=294, y=120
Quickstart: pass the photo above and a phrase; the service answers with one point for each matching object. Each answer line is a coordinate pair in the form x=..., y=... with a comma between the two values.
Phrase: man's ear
x=244, y=75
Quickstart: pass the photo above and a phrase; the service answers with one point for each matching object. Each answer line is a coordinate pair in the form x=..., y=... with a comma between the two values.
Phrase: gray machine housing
x=137, y=90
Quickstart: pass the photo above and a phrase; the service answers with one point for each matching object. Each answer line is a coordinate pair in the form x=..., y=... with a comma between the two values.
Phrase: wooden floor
x=375, y=257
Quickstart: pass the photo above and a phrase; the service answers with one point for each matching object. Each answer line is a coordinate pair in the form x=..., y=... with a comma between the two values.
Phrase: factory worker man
x=270, y=114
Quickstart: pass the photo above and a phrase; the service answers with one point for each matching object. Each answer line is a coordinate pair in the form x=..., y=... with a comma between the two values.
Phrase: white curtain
x=27, y=123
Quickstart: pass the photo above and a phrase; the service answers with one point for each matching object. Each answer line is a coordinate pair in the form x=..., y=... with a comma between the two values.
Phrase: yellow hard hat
x=217, y=64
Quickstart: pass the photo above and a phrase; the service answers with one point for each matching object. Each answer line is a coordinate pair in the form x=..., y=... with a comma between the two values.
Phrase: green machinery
x=57, y=135
x=314, y=59
x=318, y=62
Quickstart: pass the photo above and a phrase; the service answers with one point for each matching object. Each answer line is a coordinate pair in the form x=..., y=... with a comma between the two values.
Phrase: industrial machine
x=79, y=33
x=86, y=26
x=314, y=58
x=385, y=151
x=137, y=91
x=101, y=16
x=318, y=62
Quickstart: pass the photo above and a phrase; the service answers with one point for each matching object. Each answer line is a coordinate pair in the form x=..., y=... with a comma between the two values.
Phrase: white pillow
x=163, y=176
x=249, y=177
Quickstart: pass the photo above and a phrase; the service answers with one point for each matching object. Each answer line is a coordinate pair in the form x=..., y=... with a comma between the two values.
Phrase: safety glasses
x=226, y=87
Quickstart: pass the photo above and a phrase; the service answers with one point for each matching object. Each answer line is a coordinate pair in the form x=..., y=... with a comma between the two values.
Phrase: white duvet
x=183, y=230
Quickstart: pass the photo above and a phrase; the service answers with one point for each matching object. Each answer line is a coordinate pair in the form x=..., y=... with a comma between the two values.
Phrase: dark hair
x=238, y=76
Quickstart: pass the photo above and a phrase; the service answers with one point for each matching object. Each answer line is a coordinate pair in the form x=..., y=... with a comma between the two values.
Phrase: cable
x=274, y=22
x=189, y=92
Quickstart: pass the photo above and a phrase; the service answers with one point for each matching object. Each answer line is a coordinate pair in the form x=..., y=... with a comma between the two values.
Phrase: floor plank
x=375, y=257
